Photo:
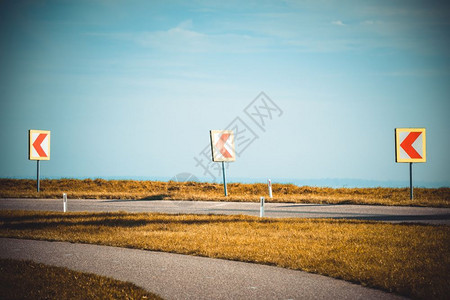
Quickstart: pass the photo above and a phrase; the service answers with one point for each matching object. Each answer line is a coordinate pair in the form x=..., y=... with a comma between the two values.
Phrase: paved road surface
x=175, y=276
x=279, y=210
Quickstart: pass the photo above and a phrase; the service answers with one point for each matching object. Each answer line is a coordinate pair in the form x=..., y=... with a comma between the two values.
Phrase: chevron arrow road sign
x=39, y=145
x=410, y=145
x=222, y=145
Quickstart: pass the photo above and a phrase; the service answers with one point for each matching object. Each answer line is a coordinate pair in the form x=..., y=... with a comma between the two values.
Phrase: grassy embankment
x=29, y=280
x=131, y=189
x=413, y=260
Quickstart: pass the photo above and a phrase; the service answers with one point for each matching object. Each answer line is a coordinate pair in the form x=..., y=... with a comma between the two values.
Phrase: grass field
x=130, y=189
x=412, y=260
x=29, y=280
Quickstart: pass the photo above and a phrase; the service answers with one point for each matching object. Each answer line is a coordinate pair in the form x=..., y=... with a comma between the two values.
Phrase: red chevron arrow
x=407, y=144
x=221, y=145
x=37, y=145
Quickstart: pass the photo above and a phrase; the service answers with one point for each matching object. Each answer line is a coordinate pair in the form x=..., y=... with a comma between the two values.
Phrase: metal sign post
x=38, y=148
x=224, y=179
x=37, y=181
x=410, y=147
x=222, y=150
x=410, y=182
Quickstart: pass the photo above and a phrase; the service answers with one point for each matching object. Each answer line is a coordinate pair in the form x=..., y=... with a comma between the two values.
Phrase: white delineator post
x=65, y=202
x=261, y=209
x=269, y=182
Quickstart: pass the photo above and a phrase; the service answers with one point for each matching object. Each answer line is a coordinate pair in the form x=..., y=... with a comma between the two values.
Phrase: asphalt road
x=279, y=210
x=175, y=276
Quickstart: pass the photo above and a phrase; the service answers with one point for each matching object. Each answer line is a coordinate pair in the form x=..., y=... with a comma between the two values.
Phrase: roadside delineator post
x=64, y=202
x=261, y=208
x=269, y=183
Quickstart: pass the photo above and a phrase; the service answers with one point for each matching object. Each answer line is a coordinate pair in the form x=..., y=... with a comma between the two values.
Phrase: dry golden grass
x=413, y=260
x=131, y=189
x=29, y=280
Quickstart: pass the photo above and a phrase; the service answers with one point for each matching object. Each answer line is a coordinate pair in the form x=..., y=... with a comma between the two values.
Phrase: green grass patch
x=28, y=280
x=132, y=189
x=412, y=260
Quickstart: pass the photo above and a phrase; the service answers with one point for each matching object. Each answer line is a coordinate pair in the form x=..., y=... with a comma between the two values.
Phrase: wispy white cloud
x=299, y=29
x=338, y=23
x=183, y=38
x=368, y=22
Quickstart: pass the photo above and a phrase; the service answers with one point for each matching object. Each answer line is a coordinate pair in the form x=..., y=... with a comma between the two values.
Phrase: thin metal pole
x=38, y=175
x=411, y=193
x=224, y=179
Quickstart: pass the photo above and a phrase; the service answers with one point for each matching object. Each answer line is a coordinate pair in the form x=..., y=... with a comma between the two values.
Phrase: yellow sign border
x=397, y=146
x=30, y=145
x=213, y=142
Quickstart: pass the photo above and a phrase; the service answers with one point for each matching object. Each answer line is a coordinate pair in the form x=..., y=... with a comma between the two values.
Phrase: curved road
x=175, y=276
x=428, y=215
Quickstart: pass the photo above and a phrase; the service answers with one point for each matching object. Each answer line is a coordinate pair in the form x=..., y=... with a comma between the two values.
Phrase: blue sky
x=131, y=88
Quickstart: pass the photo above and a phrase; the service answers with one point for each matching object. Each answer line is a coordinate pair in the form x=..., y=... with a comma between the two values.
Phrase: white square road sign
x=222, y=145
x=39, y=145
x=410, y=145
